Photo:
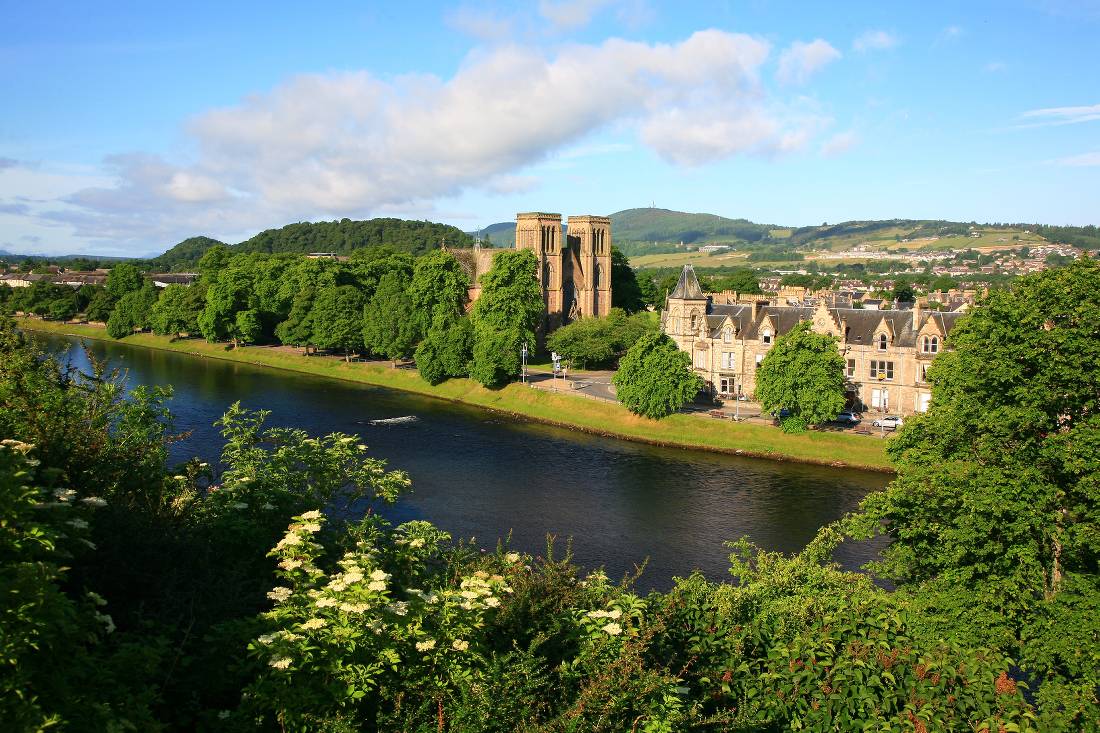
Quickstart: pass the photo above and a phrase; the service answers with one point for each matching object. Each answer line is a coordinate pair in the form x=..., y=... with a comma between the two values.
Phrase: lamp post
x=523, y=360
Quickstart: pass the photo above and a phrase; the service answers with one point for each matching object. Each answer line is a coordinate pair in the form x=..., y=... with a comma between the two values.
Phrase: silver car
x=890, y=421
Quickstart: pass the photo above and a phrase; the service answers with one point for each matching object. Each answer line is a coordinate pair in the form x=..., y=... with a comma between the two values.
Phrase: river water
x=482, y=475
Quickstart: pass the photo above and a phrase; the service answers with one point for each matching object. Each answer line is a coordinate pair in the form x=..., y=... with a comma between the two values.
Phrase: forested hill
x=651, y=230
x=341, y=237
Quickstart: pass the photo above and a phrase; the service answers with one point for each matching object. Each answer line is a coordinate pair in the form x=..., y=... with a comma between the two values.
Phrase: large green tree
x=445, y=351
x=390, y=326
x=505, y=316
x=995, y=513
x=803, y=372
x=132, y=311
x=177, y=310
x=338, y=319
x=655, y=377
x=626, y=293
x=122, y=279
x=594, y=341
x=438, y=289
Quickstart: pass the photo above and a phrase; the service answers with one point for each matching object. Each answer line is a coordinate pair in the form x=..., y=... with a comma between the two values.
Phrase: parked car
x=890, y=421
x=850, y=417
x=781, y=413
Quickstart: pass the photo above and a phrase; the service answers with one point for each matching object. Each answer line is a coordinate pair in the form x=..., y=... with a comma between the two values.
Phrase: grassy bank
x=603, y=418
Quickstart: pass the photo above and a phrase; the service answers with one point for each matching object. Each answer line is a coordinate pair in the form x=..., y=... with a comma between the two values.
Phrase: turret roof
x=687, y=288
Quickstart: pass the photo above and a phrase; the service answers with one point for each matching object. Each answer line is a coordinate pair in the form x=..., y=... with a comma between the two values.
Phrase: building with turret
x=886, y=352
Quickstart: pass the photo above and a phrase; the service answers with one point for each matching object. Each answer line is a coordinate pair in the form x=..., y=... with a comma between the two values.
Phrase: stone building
x=574, y=269
x=886, y=352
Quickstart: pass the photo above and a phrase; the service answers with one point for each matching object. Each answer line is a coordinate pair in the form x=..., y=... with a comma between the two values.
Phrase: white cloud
x=1085, y=160
x=801, y=60
x=1061, y=115
x=571, y=14
x=353, y=144
x=994, y=66
x=480, y=24
x=840, y=143
x=950, y=33
x=874, y=40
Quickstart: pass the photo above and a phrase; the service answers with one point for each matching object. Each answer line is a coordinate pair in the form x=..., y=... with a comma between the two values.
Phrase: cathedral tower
x=541, y=233
x=590, y=252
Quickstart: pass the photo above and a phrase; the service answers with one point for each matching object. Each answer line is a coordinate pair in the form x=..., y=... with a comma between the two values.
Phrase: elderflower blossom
x=266, y=638
x=613, y=629
x=312, y=527
x=512, y=557
x=459, y=645
x=379, y=575
x=400, y=608
x=492, y=601
x=338, y=585
x=64, y=494
x=416, y=542
x=96, y=598
x=426, y=645
x=312, y=514
x=314, y=623
x=377, y=585
x=280, y=662
x=325, y=602
x=290, y=564
x=279, y=594
x=354, y=607
x=352, y=576
x=289, y=539
x=108, y=622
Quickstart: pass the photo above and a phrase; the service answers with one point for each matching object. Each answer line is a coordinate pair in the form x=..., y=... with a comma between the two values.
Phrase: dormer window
x=930, y=344
x=766, y=336
x=727, y=335
x=883, y=342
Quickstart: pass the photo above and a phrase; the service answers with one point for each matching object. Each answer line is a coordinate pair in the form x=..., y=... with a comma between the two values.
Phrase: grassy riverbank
x=603, y=418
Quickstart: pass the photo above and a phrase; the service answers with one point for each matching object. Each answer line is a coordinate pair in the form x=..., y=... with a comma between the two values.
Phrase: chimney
x=917, y=312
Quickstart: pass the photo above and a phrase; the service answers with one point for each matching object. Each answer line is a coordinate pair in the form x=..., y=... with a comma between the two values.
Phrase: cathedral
x=574, y=269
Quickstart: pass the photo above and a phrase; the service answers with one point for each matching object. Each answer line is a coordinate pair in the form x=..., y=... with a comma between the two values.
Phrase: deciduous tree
x=655, y=377
x=338, y=319
x=390, y=324
x=803, y=372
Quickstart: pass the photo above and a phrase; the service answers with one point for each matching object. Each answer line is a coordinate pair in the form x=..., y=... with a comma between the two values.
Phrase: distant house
x=164, y=279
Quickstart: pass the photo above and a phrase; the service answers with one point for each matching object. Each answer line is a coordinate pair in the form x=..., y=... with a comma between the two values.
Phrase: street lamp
x=523, y=360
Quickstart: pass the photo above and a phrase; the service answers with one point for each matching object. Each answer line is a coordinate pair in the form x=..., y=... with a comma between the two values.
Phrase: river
x=482, y=475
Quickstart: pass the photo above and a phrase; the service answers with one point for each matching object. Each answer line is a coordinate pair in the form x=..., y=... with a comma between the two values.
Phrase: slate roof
x=687, y=287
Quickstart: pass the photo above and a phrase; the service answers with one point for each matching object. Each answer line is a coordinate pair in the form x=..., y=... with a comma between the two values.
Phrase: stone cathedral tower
x=575, y=274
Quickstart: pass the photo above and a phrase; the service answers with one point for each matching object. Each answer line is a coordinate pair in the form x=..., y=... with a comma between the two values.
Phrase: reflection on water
x=477, y=474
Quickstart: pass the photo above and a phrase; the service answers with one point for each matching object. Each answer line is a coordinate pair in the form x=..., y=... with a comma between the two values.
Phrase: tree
x=122, y=279
x=903, y=293
x=740, y=281
x=626, y=293
x=995, y=512
x=132, y=311
x=655, y=377
x=63, y=308
x=227, y=293
x=213, y=262
x=445, y=351
x=338, y=319
x=803, y=372
x=297, y=329
x=390, y=326
x=100, y=306
x=175, y=311
x=592, y=341
x=438, y=289
x=505, y=316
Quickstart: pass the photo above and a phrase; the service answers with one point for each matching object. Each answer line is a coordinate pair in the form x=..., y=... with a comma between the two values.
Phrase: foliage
x=390, y=324
x=740, y=281
x=438, y=289
x=626, y=292
x=122, y=279
x=655, y=377
x=445, y=351
x=803, y=372
x=100, y=306
x=505, y=316
x=132, y=311
x=177, y=310
x=338, y=319
x=995, y=512
x=595, y=341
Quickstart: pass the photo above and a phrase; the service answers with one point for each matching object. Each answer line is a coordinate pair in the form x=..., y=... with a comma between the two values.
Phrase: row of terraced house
x=886, y=352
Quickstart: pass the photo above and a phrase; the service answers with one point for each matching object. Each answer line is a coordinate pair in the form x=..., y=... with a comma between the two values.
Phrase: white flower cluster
x=279, y=594
x=511, y=557
x=612, y=614
x=426, y=645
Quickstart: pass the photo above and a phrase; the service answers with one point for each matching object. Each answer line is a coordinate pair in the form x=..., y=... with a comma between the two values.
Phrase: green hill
x=339, y=237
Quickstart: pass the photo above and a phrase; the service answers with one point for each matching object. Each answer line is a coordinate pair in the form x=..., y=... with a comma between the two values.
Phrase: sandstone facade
x=887, y=352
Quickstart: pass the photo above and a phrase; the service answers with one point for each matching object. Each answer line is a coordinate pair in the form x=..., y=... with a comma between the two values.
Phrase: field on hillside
x=679, y=259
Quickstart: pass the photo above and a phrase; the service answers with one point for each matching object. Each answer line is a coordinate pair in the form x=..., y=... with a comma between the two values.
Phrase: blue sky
x=129, y=126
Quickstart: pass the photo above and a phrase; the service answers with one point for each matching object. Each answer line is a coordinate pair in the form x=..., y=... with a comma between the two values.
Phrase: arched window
x=694, y=322
x=766, y=336
x=547, y=274
x=727, y=335
x=599, y=275
x=934, y=345
x=882, y=342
